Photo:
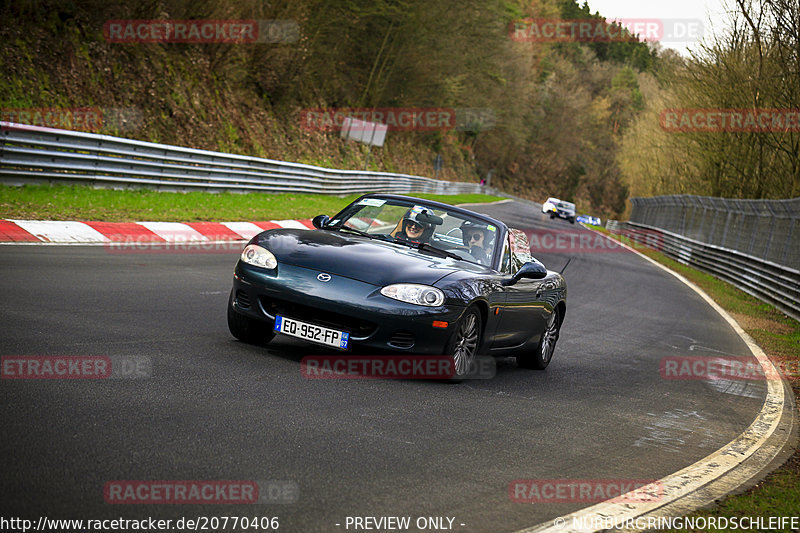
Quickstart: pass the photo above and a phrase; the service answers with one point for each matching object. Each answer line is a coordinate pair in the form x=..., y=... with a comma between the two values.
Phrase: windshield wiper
x=379, y=236
x=446, y=253
x=427, y=247
x=352, y=230
x=423, y=246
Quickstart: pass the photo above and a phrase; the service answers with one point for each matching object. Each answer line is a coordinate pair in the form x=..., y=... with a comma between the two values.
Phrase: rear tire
x=543, y=354
x=248, y=329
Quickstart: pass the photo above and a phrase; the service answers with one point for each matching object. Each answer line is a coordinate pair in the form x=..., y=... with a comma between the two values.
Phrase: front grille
x=355, y=326
x=242, y=299
x=402, y=339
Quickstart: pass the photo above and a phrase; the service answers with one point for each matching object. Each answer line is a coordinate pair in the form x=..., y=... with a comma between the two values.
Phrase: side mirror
x=319, y=221
x=532, y=270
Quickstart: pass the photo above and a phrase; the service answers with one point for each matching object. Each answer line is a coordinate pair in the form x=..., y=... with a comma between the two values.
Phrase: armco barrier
x=32, y=154
x=772, y=283
x=767, y=229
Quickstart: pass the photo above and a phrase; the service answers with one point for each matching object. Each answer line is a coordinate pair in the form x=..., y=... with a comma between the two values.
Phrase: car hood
x=376, y=262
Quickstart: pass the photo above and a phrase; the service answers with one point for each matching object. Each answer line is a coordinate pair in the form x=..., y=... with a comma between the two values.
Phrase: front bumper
x=374, y=321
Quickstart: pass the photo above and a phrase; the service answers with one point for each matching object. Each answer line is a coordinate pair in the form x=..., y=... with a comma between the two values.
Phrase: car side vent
x=402, y=339
x=242, y=300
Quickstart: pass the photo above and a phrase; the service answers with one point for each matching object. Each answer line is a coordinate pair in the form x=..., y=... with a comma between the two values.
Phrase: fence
x=30, y=154
x=754, y=244
x=766, y=229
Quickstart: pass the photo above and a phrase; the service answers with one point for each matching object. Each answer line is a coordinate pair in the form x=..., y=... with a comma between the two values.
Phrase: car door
x=523, y=308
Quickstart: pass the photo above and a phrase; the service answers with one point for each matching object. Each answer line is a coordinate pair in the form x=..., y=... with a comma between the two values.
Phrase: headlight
x=258, y=256
x=414, y=294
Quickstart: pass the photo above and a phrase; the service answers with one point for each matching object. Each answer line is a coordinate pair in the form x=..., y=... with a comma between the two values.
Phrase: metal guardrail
x=775, y=284
x=767, y=229
x=32, y=154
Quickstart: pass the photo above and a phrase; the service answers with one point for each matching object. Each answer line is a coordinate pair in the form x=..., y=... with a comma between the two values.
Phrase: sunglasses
x=476, y=236
x=413, y=226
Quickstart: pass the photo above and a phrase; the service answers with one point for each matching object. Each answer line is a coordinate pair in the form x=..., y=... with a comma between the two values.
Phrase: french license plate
x=310, y=332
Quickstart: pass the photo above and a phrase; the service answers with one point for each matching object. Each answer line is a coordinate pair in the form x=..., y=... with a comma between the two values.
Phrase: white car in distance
x=550, y=205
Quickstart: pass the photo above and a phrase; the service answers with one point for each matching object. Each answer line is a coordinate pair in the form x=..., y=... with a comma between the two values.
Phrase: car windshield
x=566, y=205
x=419, y=225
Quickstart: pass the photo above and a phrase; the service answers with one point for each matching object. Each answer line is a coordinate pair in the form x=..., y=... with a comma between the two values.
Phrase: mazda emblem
x=324, y=278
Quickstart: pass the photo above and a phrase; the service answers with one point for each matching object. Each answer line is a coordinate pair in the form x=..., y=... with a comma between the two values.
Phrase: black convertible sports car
x=398, y=274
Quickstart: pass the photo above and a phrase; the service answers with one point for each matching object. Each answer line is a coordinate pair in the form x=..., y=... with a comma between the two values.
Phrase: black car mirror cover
x=320, y=221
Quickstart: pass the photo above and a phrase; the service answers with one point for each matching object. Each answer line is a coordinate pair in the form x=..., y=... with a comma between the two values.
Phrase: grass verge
x=778, y=494
x=63, y=202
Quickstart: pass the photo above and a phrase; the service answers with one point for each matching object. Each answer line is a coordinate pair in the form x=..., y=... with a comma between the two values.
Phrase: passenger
x=474, y=236
x=416, y=226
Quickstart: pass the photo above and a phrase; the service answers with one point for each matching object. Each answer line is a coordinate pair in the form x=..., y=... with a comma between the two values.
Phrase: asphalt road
x=218, y=409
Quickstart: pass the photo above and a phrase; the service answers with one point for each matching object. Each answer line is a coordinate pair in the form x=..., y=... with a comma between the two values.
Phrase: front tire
x=465, y=342
x=541, y=357
x=248, y=329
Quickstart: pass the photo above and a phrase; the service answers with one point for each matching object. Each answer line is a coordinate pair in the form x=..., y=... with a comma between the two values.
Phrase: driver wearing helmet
x=416, y=226
x=475, y=237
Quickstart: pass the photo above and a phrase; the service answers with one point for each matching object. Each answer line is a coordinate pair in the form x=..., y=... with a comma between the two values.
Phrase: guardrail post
x=689, y=221
x=702, y=223
x=725, y=230
x=740, y=234
x=683, y=216
x=756, y=219
x=788, y=241
x=771, y=227
x=710, y=238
